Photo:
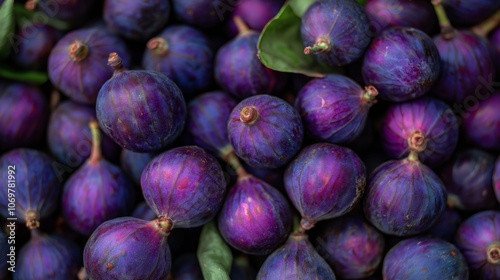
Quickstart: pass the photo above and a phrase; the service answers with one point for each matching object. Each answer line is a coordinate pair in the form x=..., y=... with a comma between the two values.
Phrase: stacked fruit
x=250, y=139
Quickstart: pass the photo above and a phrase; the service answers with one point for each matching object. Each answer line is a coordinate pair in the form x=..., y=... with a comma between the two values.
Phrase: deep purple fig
x=468, y=180
x=256, y=13
x=142, y=111
x=446, y=225
x=129, y=248
x=24, y=114
x=31, y=186
x=265, y=131
x=239, y=71
x=207, y=119
x=478, y=238
x=404, y=197
x=353, y=248
x=335, y=31
x=467, y=13
x=324, y=181
x=69, y=136
x=334, y=108
x=73, y=11
x=144, y=212
x=418, y=14
x=185, y=185
x=134, y=163
x=77, y=63
x=296, y=259
x=496, y=179
x=426, y=126
x=256, y=218
x=48, y=257
x=187, y=267
x=136, y=20
x=202, y=13
x=183, y=54
x=465, y=60
x=403, y=63
x=481, y=123
x=98, y=191
x=33, y=43
x=424, y=258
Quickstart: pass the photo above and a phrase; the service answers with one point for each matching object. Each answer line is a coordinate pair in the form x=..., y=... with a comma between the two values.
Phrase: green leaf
x=214, y=254
x=281, y=48
x=24, y=16
x=300, y=6
x=6, y=27
x=30, y=77
x=361, y=2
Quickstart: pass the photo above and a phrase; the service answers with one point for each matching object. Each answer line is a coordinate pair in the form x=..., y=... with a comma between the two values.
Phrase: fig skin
x=481, y=125
x=133, y=164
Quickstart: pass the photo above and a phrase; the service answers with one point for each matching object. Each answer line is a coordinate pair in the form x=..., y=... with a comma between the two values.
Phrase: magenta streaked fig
x=324, y=181
x=265, y=131
x=118, y=247
x=481, y=125
x=184, y=184
x=256, y=218
x=334, y=109
x=296, y=259
x=478, y=238
x=335, y=31
x=426, y=125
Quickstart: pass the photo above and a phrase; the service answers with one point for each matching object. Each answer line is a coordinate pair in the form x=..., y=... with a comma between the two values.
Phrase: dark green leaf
x=300, y=6
x=24, y=16
x=6, y=27
x=214, y=254
x=361, y=2
x=30, y=77
x=281, y=48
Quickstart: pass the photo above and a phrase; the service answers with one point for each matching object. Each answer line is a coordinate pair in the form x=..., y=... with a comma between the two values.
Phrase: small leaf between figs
x=214, y=254
x=300, y=6
x=6, y=27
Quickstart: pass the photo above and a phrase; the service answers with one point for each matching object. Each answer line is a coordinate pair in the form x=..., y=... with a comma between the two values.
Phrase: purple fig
x=478, y=238
x=426, y=125
x=353, y=248
x=48, y=257
x=207, y=119
x=184, y=55
x=239, y=71
x=256, y=13
x=465, y=60
x=335, y=31
x=496, y=179
x=134, y=163
x=404, y=197
x=129, y=248
x=403, y=63
x=24, y=114
x=83, y=203
x=265, y=131
x=31, y=187
x=296, y=259
x=418, y=14
x=256, y=218
x=69, y=136
x=482, y=123
x=142, y=111
x=467, y=13
x=324, y=181
x=185, y=185
x=446, y=225
x=202, y=13
x=334, y=109
x=77, y=64
x=136, y=20
x=74, y=11
x=468, y=180
x=425, y=258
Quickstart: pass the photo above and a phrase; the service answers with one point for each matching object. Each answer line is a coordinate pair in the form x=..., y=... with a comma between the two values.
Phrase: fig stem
x=232, y=159
x=115, y=61
x=30, y=5
x=447, y=30
x=306, y=224
x=413, y=156
x=493, y=254
x=164, y=225
x=55, y=99
x=78, y=51
x=158, y=45
x=322, y=45
x=485, y=27
x=370, y=95
x=95, y=155
x=32, y=219
x=249, y=115
x=242, y=27
x=417, y=141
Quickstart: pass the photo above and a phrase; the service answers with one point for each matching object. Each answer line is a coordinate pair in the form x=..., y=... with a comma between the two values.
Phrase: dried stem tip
x=158, y=45
x=417, y=141
x=370, y=95
x=164, y=225
x=78, y=51
x=249, y=115
x=494, y=253
x=306, y=224
x=32, y=219
x=322, y=45
x=115, y=61
x=447, y=30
